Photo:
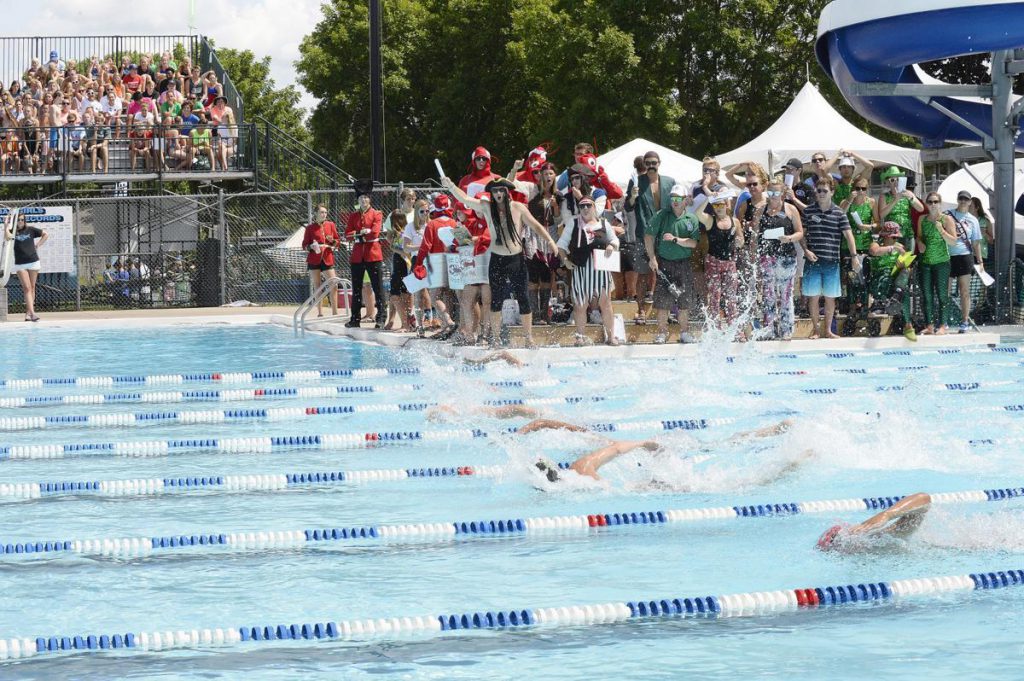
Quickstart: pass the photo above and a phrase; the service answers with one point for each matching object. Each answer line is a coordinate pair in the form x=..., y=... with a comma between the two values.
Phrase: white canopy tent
x=809, y=125
x=618, y=162
x=977, y=179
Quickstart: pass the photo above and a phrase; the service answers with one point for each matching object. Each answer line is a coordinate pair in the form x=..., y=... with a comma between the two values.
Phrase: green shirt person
x=680, y=227
x=670, y=238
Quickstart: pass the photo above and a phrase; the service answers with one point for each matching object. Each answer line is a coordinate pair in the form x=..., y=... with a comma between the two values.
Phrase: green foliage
x=700, y=76
x=251, y=77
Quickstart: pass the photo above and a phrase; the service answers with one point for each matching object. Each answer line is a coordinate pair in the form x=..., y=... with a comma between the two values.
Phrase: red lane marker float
x=464, y=470
x=258, y=392
x=808, y=597
x=312, y=410
x=215, y=377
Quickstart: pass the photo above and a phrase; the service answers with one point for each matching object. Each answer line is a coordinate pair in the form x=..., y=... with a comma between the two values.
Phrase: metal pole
x=309, y=208
x=222, y=237
x=1004, y=134
x=76, y=224
x=376, y=93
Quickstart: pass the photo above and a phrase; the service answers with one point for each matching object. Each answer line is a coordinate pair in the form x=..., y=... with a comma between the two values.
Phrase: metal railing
x=117, y=148
x=344, y=292
x=208, y=59
x=17, y=52
x=284, y=163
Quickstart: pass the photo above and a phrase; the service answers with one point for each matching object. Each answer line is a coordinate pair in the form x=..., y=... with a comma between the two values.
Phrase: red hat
x=480, y=152
x=441, y=205
x=460, y=207
x=827, y=540
x=587, y=165
x=536, y=159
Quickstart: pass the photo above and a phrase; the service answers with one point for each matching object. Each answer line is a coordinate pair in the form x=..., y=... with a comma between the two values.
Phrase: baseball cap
x=679, y=190
x=963, y=194
x=794, y=163
x=847, y=161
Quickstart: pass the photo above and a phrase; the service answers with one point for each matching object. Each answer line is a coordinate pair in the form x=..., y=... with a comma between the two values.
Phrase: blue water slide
x=880, y=41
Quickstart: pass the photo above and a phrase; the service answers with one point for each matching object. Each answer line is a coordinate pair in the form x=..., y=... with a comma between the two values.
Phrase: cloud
x=271, y=28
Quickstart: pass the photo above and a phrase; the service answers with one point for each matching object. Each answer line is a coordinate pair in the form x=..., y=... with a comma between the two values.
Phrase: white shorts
x=29, y=266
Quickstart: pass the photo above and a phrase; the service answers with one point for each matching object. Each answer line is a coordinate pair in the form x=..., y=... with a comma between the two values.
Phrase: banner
x=58, y=253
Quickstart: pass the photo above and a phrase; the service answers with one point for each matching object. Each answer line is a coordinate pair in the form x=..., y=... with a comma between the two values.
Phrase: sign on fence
x=58, y=254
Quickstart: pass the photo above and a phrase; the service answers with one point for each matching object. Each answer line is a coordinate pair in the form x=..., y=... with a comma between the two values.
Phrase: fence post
x=222, y=237
x=309, y=208
x=76, y=225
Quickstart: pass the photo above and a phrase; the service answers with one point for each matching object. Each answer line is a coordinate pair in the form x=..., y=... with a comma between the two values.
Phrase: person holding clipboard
x=590, y=241
x=363, y=230
x=319, y=242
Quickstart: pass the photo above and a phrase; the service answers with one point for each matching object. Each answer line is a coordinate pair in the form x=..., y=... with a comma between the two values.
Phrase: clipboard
x=606, y=262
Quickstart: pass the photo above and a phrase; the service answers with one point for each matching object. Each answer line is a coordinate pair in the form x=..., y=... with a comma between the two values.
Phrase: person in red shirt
x=431, y=264
x=472, y=318
x=132, y=81
x=319, y=242
x=480, y=173
x=363, y=230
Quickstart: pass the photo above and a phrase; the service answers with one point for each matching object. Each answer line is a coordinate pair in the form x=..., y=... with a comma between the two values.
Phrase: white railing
x=344, y=295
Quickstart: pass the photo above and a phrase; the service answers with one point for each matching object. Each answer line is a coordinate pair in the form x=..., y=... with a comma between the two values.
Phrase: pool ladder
x=344, y=294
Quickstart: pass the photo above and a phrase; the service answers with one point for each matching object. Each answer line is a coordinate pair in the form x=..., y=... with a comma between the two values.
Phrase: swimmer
x=498, y=356
x=900, y=520
x=507, y=411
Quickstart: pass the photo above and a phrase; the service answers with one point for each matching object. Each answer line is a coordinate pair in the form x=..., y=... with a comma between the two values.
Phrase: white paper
x=986, y=278
x=607, y=262
x=413, y=284
x=316, y=246
x=698, y=202
x=453, y=261
x=773, y=234
x=788, y=180
x=437, y=164
x=856, y=218
x=447, y=236
x=901, y=185
x=619, y=328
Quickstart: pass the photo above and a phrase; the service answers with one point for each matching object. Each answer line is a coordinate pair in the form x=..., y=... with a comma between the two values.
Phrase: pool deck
x=282, y=316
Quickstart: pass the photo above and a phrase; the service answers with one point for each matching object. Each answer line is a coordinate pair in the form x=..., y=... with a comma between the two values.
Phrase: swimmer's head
x=827, y=540
x=549, y=469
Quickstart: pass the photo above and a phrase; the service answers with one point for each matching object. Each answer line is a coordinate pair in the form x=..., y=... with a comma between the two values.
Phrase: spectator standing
x=848, y=171
x=860, y=211
x=223, y=117
x=777, y=258
x=412, y=238
x=633, y=254
x=591, y=237
x=26, y=262
x=399, y=299
x=964, y=254
x=725, y=241
x=320, y=241
x=653, y=194
x=431, y=263
x=363, y=230
x=938, y=232
x=475, y=300
x=825, y=226
x=896, y=206
x=987, y=231
x=670, y=238
x=545, y=207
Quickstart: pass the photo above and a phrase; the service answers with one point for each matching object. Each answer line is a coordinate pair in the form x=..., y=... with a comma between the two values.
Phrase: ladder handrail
x=299, y=316
x=10, y=227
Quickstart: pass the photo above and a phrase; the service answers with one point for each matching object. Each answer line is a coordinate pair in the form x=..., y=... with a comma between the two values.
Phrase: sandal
x=640, y=319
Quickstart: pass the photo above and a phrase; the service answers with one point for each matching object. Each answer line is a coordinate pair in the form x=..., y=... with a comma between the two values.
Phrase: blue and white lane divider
x=969, y=386
x=745, y=604
x=832, y=371
x=324, y=441
x=505, y=527
x=257, y=414
x=238, y=395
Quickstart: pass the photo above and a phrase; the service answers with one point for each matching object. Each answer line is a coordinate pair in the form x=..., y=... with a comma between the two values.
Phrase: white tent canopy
x=618, y=162
x=809, y=125
x=964, y=179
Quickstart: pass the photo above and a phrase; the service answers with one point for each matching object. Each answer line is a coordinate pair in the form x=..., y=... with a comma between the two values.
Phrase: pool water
x=894, y=429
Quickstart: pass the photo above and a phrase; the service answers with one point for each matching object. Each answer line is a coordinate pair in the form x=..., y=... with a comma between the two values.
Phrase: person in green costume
x=890, y=274
x=895, y=205
x=937, y=230
x=860, y=210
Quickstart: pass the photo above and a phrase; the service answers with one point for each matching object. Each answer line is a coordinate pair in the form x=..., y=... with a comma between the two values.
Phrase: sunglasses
x=817, y=160
x=753, y=184
x=823, y=190
x=860, y=189
x=423, y=212
x=933, y=202
x=710, y=170
x=773, y=194
x=960, y=200
x=584, y=206
x=678, y=199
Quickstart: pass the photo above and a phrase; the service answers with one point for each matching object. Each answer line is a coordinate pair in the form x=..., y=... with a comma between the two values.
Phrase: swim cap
x=826, y=541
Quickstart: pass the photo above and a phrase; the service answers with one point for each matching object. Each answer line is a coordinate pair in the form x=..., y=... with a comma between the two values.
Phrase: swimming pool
x=879, y=425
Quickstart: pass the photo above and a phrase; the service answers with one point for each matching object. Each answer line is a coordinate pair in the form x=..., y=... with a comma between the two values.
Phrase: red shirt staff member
x=363, y=230
x=319, y=241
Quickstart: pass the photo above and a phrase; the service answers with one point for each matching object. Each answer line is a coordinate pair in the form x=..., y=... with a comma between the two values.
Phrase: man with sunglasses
x=848, y=174
x=670, y=239
x=964, y=254
x=652, y=194
x=825, y=226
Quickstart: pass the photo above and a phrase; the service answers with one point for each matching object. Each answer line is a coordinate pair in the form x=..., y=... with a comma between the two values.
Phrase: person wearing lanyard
x=319, y=241
x=26, y=262
x=363, y=230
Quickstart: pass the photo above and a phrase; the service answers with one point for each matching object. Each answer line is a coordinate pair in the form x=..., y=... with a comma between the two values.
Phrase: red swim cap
x=826, y=540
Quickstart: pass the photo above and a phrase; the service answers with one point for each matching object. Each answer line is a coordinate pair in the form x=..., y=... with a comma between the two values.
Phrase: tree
x=251, y=77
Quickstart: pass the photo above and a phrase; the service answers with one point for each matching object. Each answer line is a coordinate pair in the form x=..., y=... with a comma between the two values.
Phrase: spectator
x=10, y=150
x=363, y=229
x=26, y=262
x=480, y=173
x=176, y=152
x=895, y=205
x=777, y=259
x=320, y=241
x=399, y=299
x=212, y=87
x=412, y=238
x=670, y=239
x=825, y=225
x=964, y=254
x=55, y=62
x=725, y=241
x=75, y=136
x=545, y=207
x=132, y=80
x=97, y=139
x=171, y=100
x=848, y=171
x=140, y=145
x=890, y=274
x=430, y=260
x=860, y=211
x=652, y=195
x=113, y=107
x=987, y=231
x=223, y=117
x=193, y=86
x=90, y=102
x=200, y=146
x=632, y=252
x=590, y=237
x=938, y=232
x=188, y=119
x=799, y=193
x=475, y=299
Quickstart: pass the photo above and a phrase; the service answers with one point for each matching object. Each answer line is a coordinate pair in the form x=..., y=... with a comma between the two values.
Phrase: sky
x=271, y=28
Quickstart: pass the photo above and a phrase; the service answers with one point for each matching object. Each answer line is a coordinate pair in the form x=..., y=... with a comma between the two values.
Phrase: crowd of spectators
x=69, y=116
x=746, y=249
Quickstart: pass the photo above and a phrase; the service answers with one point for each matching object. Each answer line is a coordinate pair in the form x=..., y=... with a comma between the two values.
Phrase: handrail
x=321, y=160
x=10, y=223
x=299, y=316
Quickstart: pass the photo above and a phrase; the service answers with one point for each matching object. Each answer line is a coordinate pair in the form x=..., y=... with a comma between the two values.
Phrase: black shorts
x=538, y=271
x=399, y=270
x=320, y=266
x=960, y=265
x=507, y=277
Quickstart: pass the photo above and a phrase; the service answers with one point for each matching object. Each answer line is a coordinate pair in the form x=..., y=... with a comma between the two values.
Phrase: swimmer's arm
x=900, y=519
x=500, y=356
x=767, y=431
x=547, y=424
x=588, y=464
x=511, y=411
